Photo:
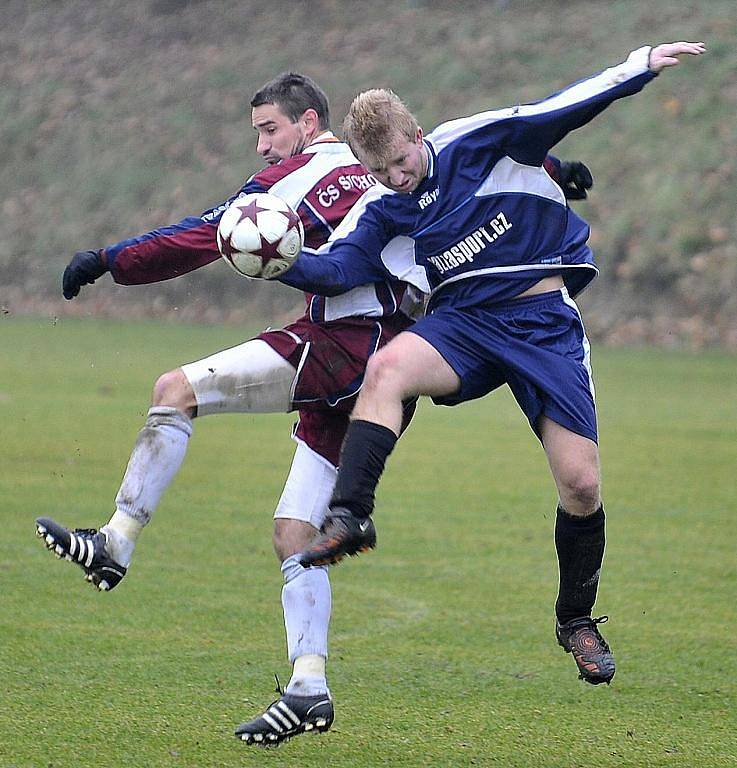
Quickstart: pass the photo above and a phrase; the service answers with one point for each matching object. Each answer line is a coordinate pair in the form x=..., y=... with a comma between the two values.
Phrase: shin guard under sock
x=362, y=458
x=307, y=604
x=156, y=458
x=579, y=543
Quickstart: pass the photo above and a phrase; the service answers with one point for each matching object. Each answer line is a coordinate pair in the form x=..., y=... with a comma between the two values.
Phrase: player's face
x=278, y=137
x=404, y=165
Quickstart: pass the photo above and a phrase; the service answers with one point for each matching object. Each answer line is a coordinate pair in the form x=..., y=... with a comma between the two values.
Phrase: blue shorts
x=536, y=345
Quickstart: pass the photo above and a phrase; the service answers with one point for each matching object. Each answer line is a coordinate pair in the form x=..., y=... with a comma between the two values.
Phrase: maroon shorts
x=330, y=359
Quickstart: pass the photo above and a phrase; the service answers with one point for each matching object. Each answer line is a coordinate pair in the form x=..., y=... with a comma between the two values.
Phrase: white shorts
x=248, y=378
x=253, y=378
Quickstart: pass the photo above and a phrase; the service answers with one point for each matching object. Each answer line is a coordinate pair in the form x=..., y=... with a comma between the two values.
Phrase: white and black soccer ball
x=260, y=236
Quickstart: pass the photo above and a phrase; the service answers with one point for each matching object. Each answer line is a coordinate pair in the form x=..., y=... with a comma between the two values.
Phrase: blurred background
x=121, y=117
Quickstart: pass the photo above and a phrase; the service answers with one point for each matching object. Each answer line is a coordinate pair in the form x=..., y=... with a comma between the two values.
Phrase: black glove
x=575, y=179
x=83, y=269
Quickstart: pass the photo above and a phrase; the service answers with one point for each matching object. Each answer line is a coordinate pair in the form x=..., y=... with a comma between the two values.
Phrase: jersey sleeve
x=527, y=132
x=352, y=255
x=346, y=266
x=171, y=251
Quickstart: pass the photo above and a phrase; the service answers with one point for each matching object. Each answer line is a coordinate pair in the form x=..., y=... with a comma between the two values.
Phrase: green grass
x=442, y=645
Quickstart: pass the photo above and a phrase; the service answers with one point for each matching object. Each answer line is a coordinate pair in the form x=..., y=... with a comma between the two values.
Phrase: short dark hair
x=293, y=94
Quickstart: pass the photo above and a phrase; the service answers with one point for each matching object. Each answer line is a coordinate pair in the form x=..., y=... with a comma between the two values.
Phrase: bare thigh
x=574, y=463
x=408, y=366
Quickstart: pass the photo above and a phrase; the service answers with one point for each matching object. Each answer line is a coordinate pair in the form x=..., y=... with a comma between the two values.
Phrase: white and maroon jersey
x=322, y=184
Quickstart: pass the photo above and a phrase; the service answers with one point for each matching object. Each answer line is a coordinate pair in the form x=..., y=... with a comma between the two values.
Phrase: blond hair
x=375, y=119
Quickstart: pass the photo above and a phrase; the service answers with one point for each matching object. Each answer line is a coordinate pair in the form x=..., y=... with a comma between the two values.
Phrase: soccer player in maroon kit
x=314, y=366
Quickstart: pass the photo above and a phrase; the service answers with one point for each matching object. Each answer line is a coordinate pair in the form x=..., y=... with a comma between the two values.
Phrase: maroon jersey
x=330, y=345
x=322, y=184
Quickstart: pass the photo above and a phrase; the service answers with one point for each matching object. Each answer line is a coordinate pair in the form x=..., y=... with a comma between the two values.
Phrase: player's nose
x=396, y=177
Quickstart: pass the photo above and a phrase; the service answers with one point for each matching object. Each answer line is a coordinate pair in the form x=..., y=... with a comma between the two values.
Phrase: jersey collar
x=326, y=137
x=430, y=159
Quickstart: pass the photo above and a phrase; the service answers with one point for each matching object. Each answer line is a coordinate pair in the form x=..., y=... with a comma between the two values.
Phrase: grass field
x=442, y=646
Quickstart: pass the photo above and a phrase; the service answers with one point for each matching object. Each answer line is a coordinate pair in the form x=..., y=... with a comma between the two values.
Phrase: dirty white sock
x=156, y=458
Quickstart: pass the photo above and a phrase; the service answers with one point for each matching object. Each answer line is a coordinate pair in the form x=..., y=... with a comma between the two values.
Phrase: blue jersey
x=486, y=209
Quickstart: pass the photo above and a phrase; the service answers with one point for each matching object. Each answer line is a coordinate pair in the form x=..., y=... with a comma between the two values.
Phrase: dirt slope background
x=120, y=117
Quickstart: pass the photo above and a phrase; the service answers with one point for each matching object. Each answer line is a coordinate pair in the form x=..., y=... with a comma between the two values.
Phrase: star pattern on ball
x=260, y=235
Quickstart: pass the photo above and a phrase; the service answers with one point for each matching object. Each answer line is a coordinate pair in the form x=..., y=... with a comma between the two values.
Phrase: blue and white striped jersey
x=486, y=209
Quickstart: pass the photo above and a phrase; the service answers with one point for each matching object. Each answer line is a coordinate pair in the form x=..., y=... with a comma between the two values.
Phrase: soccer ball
x=260, y=236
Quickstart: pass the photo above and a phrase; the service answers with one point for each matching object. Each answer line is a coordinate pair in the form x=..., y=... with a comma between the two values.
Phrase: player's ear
x=310, y=119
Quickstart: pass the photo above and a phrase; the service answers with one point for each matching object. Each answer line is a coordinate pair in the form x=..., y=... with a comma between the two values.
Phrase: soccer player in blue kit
x=472, y=219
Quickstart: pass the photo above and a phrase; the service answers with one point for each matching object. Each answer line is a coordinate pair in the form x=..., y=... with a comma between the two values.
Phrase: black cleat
x=341, y=534
x=86, y=548
x=287, y=717
x=590, y=651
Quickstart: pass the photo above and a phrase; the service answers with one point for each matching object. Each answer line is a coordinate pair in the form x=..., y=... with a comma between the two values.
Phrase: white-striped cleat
x=286, y=718
x=86, y=547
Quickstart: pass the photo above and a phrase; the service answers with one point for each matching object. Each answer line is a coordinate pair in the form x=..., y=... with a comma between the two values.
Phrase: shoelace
x=278, y=690
x=595, y=630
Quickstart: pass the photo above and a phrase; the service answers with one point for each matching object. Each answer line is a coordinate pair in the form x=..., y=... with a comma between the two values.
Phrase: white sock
x=156, y=458
x=307, y=603
x=121, y=533
x=307, y=685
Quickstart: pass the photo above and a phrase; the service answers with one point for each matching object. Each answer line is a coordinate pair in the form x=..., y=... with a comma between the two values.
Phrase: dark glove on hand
x=83, y=269
x=575, y=179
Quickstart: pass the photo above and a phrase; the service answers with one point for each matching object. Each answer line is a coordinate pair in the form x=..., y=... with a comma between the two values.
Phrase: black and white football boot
x=287, y=717
x=84, y=546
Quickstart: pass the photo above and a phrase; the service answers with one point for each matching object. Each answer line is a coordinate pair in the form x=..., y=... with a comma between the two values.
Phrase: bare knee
x=172, y=389
x=384, y=374
x=580, y=492
x=291, y=536
x=574, y=461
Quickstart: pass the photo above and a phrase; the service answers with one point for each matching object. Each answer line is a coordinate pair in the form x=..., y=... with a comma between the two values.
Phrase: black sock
x=579, y=542
x=362, y=458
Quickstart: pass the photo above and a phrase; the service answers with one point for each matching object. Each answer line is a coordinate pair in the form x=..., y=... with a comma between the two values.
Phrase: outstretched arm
x=159, y=255
x=162, y=254
x=528, y=132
